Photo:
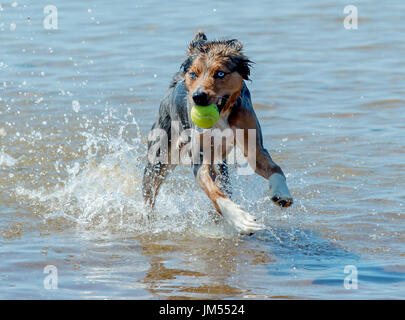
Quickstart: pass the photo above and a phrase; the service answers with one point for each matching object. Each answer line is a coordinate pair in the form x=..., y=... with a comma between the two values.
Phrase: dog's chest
x=218, y=139
x=222, y=123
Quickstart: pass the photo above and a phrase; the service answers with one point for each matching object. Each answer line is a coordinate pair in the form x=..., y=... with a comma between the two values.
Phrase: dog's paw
x=241, y=220
x=280, y=193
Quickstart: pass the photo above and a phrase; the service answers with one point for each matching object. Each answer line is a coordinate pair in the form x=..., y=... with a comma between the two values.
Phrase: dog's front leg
x=261, y=161
x=232, y=213
x=277, y=181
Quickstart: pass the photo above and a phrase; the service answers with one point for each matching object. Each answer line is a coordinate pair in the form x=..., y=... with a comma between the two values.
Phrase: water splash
x=7, y=160
x=104, y=192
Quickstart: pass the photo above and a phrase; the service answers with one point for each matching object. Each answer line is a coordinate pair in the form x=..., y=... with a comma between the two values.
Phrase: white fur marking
x=279, y=187
x=241, y=220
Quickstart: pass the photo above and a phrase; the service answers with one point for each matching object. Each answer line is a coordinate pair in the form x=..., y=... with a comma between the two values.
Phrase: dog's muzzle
x=222, y=102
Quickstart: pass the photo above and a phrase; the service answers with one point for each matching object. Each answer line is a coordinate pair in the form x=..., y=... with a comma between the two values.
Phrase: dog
x=214, y=72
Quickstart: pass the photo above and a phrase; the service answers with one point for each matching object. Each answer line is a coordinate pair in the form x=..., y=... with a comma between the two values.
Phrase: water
x=76, y=104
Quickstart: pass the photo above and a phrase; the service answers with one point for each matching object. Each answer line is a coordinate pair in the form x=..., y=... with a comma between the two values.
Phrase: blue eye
x=219, y=75
x=193, y=75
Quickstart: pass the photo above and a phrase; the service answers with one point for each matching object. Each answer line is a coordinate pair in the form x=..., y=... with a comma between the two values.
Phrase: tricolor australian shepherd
x=213, y=73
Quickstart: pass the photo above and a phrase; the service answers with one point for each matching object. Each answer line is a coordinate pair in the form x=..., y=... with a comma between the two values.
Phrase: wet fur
x=205, y=59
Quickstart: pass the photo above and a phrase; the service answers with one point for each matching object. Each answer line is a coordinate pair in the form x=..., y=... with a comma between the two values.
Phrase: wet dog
x=214, y=73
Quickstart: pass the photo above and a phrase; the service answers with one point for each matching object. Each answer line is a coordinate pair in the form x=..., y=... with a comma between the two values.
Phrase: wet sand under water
x=76, y=105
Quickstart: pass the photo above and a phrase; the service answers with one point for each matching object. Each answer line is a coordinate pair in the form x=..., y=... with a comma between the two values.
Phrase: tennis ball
x=205, y=117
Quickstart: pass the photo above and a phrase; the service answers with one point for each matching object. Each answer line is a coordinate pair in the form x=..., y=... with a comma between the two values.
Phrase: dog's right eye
x=193, y=75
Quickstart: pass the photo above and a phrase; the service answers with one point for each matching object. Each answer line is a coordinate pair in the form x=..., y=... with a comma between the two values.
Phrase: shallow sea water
x=76, y=105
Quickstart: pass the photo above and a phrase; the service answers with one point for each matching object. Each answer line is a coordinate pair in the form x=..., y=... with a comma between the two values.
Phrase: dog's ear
x=187, y=64
x=236, y=44
x=241, y=62
x=200, y=36
x=243, y=65
x=199, y=39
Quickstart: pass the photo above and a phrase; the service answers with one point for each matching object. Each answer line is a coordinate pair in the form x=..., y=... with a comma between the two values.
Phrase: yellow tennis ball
x=205, y=117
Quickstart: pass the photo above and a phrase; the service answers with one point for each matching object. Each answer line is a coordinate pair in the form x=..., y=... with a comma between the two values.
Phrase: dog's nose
x=200, y=98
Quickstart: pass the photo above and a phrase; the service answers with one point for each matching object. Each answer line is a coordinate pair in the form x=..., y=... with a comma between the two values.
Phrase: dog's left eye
x=193, y=75
x=219, y=75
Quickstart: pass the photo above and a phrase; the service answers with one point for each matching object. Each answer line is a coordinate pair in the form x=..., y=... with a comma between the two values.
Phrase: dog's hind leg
x=153, y=177
x=232, y=213
x=158, y=166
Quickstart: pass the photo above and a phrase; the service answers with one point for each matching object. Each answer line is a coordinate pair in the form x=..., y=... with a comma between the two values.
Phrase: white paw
x=280, y=193
x=241, y=220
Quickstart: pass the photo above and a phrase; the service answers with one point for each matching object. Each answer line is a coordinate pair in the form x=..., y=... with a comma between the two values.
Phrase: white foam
x=7, y=160
x=106, y=195
x=76, y=106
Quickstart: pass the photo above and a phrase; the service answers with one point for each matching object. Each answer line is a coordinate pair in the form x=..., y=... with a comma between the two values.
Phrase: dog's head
x=214, y=71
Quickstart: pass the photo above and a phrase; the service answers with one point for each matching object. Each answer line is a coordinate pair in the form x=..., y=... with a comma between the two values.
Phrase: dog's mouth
x=221, y=102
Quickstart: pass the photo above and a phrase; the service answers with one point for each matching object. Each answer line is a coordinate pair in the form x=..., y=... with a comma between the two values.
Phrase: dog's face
x=214, y=71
